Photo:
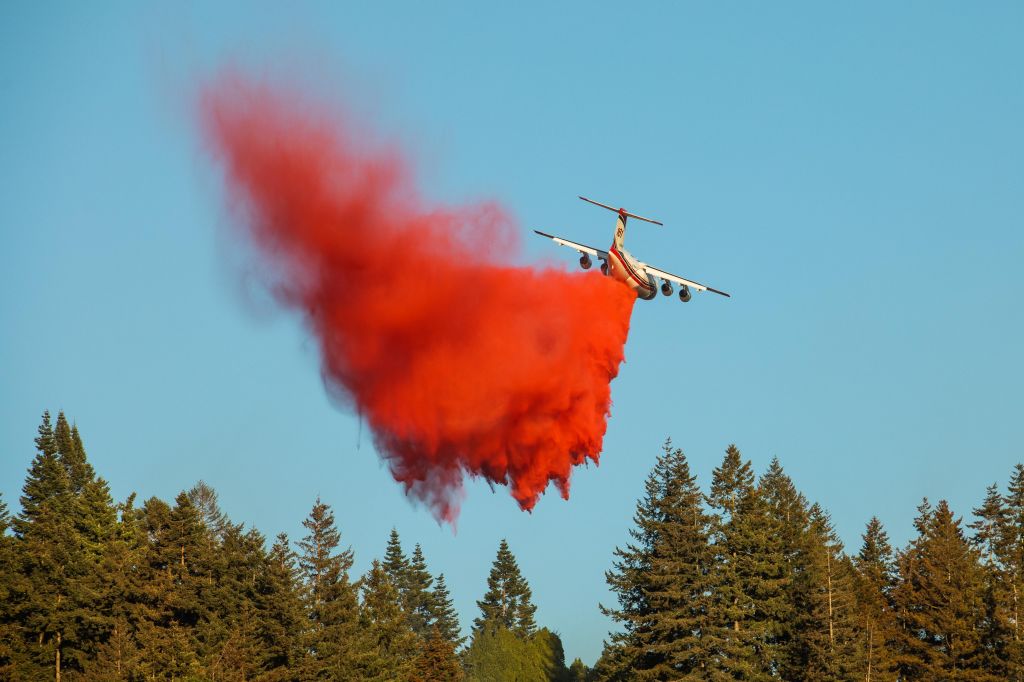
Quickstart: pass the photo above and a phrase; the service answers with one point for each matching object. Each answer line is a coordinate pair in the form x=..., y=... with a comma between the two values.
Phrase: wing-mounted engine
x=585, y=261
x=684, y=293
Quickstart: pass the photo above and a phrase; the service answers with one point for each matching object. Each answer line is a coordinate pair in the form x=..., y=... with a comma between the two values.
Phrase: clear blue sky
x=852, y=173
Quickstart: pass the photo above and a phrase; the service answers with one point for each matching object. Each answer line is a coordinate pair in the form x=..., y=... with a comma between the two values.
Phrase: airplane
x=619, y=264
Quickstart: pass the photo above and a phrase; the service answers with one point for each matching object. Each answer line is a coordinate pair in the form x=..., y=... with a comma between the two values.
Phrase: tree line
x=746, y=582
x=91, y=589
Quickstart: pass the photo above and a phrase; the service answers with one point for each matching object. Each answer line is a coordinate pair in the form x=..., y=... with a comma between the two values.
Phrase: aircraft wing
x=655, y=272
x=582, y=248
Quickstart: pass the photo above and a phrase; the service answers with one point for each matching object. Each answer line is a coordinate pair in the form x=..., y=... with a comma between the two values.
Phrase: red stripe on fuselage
x=646, y=284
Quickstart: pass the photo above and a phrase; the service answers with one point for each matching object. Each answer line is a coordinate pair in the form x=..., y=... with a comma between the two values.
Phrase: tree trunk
x=57, y=658
x=828, y=572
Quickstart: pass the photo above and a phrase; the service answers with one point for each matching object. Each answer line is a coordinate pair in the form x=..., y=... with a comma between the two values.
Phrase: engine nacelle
x=585, y=261
x=666, y=287
x=684, y=293
x=604, y=267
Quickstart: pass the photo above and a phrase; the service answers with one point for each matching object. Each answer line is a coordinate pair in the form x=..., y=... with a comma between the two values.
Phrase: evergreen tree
x=496, y=654
x=875, y=583
x=444, y=616
x=662, y=579
x=1011, y=559
x=787, y=591
x=419, y=599
x=738, y=544
x=204, y=499
x=508, y=600
x=59, y=552
x=331, y=600
x=391, y=644
x=396, y=565
x=939, y=602
x=991, y=531
x=825, y=638
x=280, y=619
x=437, y=661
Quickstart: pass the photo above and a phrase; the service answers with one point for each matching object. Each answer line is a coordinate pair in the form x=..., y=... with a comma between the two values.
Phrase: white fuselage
x=623, y=267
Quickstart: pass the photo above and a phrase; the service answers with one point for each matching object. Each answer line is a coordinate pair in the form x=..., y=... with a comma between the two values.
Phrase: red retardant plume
x=460, y=361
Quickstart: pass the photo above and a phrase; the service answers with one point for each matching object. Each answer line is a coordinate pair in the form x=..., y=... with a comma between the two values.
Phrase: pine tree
x=939, y=602
x=204, y=499
x=826, y=633
x=391, y=644
x=396, y=565
x=875, y=583
x=280, y=619
x=419, y=599
x=331, y=600
x=60, y=541
x=783, y=600
x=662, y=579
x=444, y=616
x=738, y=546
x=508, y=600
x=437, y=661
x=991, y=530
x=1011, y=548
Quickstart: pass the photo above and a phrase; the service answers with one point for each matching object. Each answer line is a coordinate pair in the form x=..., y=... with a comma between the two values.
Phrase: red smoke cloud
x=460, y=361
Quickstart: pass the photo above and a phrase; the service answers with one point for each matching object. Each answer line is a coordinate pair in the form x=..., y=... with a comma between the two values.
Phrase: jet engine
x=666, y=287
x=585, y=261
x=684, y=293
x=604, y=267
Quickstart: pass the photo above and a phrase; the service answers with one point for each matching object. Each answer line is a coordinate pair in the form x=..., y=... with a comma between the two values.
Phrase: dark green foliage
x=876, y=626
x=419, y=598
x=496, y=654
x=331, y=602
x=437, y=661
x=750, y=583
x=939, y=602
x=662, y=579
x=390, y=644
x=508, y=601
x=444, y=617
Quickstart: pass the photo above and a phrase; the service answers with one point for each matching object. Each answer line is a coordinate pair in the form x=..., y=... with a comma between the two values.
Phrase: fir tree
x=444, y=616
x=391, y=644
x=826, y=632
x=419, y=599
x=396, y=565
x=662, y=579
x=331, y=600
x=738, y=546
x=508, y=600
x=280, y=619
x=437, y=661
x=875, y=582
x=1011, y=548
x=939, y=602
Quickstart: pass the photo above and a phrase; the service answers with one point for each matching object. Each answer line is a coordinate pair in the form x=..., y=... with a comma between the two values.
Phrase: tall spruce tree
x=738, y=546
x=391, y=645
x=508, y=601
x=419, y=595
x=331, y=602
x=939, y=602
x=662, y=579
x=396, y=564
x=783, y=598
x=1011, y=547
x=444, y=617
x=876, y=628
x=825, y=637
x=281, y=619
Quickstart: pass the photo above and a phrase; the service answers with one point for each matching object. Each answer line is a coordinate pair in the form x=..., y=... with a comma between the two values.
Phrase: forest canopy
x=746, y=581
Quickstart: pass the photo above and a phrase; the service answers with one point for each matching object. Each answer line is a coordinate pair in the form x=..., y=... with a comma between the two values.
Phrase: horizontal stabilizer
x=622, y=211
